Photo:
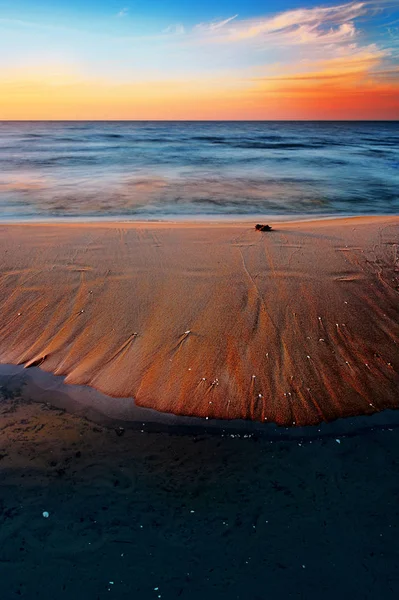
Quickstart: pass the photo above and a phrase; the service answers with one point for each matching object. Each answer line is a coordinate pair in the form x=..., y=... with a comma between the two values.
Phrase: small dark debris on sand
x=260, y=227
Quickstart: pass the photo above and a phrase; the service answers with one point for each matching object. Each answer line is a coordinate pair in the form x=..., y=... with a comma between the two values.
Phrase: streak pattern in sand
x=296, y=326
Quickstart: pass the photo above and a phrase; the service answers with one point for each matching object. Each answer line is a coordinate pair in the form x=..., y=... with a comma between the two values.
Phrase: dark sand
x=296, y=326
x=195, y=516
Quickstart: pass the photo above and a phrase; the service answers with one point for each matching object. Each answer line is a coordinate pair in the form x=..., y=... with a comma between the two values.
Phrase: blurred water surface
x=164, y=170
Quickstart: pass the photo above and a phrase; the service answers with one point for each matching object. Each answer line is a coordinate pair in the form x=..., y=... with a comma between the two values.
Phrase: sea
x=197, y=170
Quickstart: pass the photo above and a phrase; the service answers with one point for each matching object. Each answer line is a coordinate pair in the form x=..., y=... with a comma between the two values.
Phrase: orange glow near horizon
x=323, y=95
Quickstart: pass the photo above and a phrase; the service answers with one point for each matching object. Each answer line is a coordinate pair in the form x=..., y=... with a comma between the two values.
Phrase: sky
x=214, y=59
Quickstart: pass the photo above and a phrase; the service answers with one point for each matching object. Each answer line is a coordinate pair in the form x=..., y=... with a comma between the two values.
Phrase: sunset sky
x=171, y=59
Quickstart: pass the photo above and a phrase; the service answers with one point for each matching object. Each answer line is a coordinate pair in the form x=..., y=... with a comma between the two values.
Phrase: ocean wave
x=132, y=169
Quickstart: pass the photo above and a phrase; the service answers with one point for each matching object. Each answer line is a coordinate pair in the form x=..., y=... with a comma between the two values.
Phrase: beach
x=295, y=326
x=199, y=409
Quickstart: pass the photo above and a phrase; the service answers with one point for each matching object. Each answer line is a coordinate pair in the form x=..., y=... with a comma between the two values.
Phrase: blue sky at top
x=160, y=10
x=247, y=45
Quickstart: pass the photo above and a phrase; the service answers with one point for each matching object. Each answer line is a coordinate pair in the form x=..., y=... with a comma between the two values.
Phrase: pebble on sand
x=260, y=227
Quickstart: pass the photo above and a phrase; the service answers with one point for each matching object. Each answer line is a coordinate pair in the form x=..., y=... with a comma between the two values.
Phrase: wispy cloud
x=123, y=12
x=214, y=25
x=332, y=24
x=297, y=41
x=360, y=63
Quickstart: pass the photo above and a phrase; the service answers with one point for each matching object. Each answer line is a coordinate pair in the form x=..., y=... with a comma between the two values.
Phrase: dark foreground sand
x=193, y=517
x=296, y=326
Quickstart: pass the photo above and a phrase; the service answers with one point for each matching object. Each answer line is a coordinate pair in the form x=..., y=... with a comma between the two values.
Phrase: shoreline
x=35, y=385
x=58, y=287
x=197, y=220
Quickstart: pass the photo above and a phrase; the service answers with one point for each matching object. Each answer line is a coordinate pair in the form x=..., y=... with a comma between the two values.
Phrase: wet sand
x=296, y=326
x=35, y=385
x=192, y=516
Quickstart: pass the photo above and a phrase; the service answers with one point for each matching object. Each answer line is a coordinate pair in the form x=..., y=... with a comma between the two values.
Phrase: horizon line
x=199, y=120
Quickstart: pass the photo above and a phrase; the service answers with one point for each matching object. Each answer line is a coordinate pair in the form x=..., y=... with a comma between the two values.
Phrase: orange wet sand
x=295, y=326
